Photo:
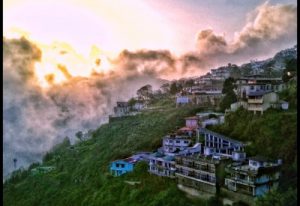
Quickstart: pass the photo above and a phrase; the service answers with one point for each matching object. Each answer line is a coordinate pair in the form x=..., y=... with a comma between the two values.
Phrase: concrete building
x=121, y=109
x=120, y=167
x=254, y=178
x=200, y=172
x=162, y=165
x=219, y=145
x=260, y=101
x=253, y=83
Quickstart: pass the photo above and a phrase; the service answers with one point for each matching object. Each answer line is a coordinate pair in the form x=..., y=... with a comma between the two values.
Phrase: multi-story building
x=121, y=109
x=162, y=165
x=260, y=101
x=254, y=178
x=248, y=84
x=200, y=172
x=217, y=144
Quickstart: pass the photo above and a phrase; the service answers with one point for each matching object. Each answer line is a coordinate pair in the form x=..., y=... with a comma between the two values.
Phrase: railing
x=258, y=101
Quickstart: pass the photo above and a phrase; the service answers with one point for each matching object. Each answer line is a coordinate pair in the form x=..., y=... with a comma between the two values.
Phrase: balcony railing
x=253, y=101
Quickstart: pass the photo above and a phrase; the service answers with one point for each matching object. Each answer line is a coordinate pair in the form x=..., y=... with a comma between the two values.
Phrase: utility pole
x=15, y=163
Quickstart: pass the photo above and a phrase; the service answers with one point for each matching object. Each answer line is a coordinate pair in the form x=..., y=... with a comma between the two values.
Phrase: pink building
x=191, y=122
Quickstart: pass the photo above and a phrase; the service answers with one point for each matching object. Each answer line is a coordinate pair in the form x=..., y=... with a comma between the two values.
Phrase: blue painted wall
x=120, y=167
x=262, y=179
x=261, y=190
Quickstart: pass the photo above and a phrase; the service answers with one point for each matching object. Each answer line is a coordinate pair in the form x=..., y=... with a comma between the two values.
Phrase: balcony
x=255, y=101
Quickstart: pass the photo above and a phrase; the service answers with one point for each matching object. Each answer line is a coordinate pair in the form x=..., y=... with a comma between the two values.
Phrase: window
x=122, y=165
x=252, y=87
x=117, y=165
x=177, y=141
x=186, y=141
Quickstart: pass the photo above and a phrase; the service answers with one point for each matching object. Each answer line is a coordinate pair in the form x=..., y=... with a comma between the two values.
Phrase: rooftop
x=191, y=118
x=259, y=93
x=221, y=136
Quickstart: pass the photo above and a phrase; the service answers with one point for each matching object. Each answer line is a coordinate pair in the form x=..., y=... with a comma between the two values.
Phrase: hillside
x=82, y=174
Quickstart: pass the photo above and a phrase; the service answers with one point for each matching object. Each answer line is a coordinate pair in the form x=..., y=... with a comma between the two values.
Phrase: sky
x=78, y=57
x=131, y=24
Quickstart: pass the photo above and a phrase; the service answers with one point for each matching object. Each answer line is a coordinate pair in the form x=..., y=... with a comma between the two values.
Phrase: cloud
x=268, y=29
x=35, y=119
x=208, y=42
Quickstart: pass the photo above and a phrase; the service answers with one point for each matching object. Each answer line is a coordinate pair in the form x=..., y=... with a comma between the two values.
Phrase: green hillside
x=82, y=174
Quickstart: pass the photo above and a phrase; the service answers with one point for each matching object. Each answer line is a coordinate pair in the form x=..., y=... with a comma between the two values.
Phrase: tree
x=229, y=98
x=228, y=85
x=290, y=70
x=131, y=102
x=173, y=88
x=79, y=135
x=145, y=92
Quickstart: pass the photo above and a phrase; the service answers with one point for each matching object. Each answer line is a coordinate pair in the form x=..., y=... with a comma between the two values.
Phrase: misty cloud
x=268, y=29
x=35, y=119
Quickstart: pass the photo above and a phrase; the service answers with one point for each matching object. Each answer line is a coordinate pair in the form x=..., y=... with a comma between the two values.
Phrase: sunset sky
x=93, y=29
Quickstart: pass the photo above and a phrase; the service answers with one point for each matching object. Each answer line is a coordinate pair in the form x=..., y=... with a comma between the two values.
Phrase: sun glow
x=86, y=25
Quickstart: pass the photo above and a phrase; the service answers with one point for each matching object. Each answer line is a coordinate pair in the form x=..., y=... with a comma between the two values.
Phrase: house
x=260, y=101
x=120, y=167
x=191, y=122
x=121, y=109
x=138, y=106
x=253, y=178
x=182, y=100
x=175, y=144
x=253, y=83
x=162, y=165
x=208, y=97
x=217, y=144
x=200, y=172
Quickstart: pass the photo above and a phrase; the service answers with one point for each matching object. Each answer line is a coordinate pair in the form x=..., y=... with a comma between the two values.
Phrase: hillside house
x=191, y=122
x=208, y=98
x=254, y=178
x=162, y=165
x=182, y=100
x=253, y=83
x=260, y=101
x=219, y=145
x=121, y=109
x=120, y=167
x=175, y=144
x=200, y=172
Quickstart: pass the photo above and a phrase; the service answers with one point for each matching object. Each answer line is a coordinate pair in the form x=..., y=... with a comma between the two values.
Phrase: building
x=260, y=101
x=191, y=122
x=138, y=106
x=254, y=178
x=120, y=167
x=182, y=100
x=208, y=98
x=121, y=109
x=162, y=165
x=175, y=144
x=200, y=172
x=253, y=83
x=219, y=145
